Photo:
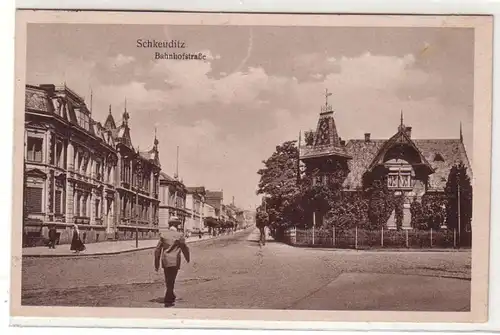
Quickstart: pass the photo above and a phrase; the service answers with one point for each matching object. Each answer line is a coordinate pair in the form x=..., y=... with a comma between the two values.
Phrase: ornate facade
x=79, y=171
x=410, y=167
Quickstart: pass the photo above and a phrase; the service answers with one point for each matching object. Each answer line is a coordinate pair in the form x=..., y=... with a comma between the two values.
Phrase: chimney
x=367, y=137
x=408, y=131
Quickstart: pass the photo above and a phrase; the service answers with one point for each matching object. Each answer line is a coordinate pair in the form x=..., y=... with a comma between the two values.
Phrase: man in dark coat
x=52, y=237
x=168, y=251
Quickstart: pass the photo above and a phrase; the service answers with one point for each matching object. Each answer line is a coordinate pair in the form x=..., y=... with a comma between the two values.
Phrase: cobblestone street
x=234, y=272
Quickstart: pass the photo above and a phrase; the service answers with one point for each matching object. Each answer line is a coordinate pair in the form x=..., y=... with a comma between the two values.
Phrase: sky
x=258, y=87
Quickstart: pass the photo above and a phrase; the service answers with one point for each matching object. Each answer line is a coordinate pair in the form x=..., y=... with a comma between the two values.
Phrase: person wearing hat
x=170, y=246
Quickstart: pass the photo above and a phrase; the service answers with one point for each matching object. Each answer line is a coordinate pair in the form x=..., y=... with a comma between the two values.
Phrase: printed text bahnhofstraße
x=180, y=56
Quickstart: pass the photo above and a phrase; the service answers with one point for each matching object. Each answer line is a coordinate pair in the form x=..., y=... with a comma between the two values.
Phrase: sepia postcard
x=251, y=167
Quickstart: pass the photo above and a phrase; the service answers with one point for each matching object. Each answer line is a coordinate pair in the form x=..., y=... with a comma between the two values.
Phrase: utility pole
x=459, y=205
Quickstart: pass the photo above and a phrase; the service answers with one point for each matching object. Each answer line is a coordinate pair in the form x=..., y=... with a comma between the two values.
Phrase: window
x=125, y=173
x=59, y=154
x=58, y=202
x=98, y=171
x=34, y=149
x=78, y=204
x=108, y=174
x=319, y=180
x=84, y=205
x=399, y=179
x=33, y=199
x=83, y=119
x=124, y=208
x=79, y=163
x=85, y=165
x=97, y=208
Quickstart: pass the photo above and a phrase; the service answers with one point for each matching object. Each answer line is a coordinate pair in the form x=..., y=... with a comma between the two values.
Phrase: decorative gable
x=399, y=146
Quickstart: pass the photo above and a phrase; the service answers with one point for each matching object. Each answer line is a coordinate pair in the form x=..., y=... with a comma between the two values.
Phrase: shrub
x=417, y=215
x=398, y=210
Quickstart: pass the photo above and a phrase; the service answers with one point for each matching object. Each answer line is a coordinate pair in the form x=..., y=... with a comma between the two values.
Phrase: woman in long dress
x=76, y=243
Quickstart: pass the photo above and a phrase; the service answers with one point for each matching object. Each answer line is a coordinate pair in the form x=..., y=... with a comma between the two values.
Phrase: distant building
x=172, y=201
x=79, y=171
x=215, y=199
x=208, y=211
x=195, y=200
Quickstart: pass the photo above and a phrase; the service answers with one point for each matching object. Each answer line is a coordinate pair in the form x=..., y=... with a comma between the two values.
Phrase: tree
x=399, y=210
x=278, y=182
x=417, y=216
x=458, y=192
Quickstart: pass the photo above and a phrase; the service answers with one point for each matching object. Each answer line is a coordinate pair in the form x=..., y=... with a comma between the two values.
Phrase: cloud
x=120, y=60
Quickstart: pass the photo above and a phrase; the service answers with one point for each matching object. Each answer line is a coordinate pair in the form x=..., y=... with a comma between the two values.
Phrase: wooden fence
x=383, y=238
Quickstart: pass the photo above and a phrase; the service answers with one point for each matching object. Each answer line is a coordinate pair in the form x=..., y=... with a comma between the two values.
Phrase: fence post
x=313, y=232
x=431, y=237
x=333, y=238
x=356, y=238
x=137, y=237
x=382, y=237
x=454, y=237
x=406, y=233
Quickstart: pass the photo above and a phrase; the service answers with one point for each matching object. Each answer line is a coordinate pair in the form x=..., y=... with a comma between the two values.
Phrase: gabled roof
x=400, y=138
x=365, y=152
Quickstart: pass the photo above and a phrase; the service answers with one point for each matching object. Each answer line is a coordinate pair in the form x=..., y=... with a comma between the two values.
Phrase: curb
x=110, y=253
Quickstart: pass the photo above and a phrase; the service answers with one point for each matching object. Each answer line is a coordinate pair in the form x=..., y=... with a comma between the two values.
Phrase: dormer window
x=83, y=118
x=438, y=157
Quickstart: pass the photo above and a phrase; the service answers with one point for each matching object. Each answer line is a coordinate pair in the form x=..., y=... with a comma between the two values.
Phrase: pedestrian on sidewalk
x=76, y=243
x=52, y=237
x=168, y=250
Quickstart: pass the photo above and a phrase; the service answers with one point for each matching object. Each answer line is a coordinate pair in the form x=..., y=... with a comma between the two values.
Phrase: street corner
x=375, y=291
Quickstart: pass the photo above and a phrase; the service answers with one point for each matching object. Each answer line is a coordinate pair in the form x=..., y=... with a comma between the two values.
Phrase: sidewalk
x=104, y=248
